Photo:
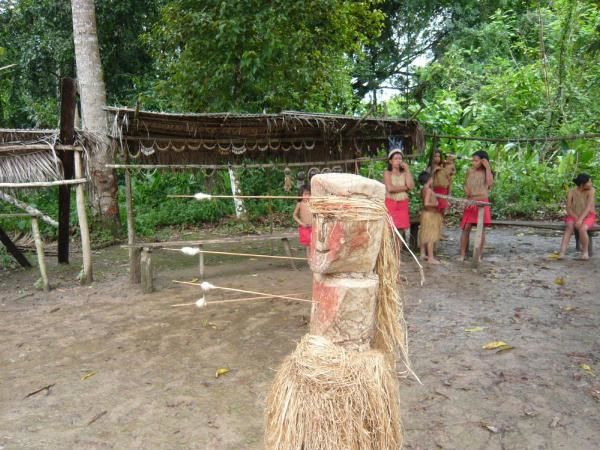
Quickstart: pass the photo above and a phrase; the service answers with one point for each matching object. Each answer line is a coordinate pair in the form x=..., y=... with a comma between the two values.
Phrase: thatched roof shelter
x=224, y=138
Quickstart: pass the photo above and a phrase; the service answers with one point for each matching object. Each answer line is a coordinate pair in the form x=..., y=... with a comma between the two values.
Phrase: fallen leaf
x=520, y=234
x=588, y=369
x=494, y=345
x=554, y=256
x=560, y=281
x=474, y=329
x=503, y=348
x=568, y=308
x=221, y=372
x=194, y=280
x=88, y=375
x=554, y=422
x=489, y=427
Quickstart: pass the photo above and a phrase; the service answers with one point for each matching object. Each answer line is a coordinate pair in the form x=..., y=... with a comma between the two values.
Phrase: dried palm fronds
x=325, y=397
x=30, y=167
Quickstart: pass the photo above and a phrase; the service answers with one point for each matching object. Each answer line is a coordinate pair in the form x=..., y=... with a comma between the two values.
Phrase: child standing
x=398, y=182
x=581, y=214
x=432, y=219
x=478, y=183
x=303, y=216
x=442, y=171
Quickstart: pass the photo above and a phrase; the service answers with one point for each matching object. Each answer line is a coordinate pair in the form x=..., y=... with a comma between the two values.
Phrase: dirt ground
x=127, y=370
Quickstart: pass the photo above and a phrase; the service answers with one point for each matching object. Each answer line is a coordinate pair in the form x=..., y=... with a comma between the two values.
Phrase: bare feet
x=432, y=260
x=561, y=255
x=584, y=257
x=461, y=258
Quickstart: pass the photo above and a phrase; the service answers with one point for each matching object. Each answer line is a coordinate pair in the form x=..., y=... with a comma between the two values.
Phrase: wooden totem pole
x=339, y=388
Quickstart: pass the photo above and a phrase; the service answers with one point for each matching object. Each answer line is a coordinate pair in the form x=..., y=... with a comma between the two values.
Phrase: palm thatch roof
x=145, y=137
x=29, y=156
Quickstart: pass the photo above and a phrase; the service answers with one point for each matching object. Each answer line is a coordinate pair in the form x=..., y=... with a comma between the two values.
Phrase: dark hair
x=433, y=152
x=389, y=165
x=424, y=177
x=481, y=154
x=304, y=188
x=581, y=179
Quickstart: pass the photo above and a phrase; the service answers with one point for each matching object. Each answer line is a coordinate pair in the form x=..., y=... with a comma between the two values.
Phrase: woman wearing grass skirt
x=432, y=219
x=398, y=183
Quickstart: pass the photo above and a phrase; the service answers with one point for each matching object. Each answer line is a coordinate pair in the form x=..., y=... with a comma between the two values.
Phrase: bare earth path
x=129, y=371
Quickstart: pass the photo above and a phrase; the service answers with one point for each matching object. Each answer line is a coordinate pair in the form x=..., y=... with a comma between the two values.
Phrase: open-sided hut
x=33, y=159
x=178, y=140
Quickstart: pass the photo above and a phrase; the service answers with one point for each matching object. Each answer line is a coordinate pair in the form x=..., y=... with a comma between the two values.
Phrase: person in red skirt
x=478, y=182
x=442, y=169
x=303, y=216
x=581, y=214
x=398, y=183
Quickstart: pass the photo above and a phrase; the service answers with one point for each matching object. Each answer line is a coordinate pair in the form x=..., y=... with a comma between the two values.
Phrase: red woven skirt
x=442, y=202
x=398, y=209
x=304, y=235
x=470, y=216
x=589, y=220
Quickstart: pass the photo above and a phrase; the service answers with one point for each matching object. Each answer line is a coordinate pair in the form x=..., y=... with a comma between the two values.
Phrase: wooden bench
x=140, y=266
x=558, y=226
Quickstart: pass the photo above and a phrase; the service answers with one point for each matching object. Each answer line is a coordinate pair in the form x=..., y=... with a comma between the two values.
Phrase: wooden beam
x=146, y=263
x=39, y=249
x=36, y=147
x=13, y=250
x=37, y=184
x=68, y=106
x=572, y=137
x=31, y=211
x=198, y=242
x=84, y=230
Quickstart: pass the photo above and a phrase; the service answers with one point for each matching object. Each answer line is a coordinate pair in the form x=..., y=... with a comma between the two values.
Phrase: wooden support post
x=134, y=254
x=84, y=230
x=146, y=263
x=288, y=252
x=39, y=248
x=135, y=268
x=478, y=237
x=201, y=263
x=13, y=250
x=68, y=105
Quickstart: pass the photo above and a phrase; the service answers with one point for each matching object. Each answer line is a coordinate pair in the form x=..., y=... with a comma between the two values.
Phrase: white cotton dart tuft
x=191, y=251
x=202, y=196
x=201, y=302
x=206, y=286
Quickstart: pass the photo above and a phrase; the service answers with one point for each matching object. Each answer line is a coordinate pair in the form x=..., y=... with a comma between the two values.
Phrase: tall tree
x=93, y=100
x=252, y=55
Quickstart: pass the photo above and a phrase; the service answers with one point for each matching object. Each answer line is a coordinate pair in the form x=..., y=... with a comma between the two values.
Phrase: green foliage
x=256, y=55
x=37, y=35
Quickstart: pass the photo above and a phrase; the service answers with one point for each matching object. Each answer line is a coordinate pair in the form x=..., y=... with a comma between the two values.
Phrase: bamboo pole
x=250, y=255
x=134, y=253
x=243, y=291
x=248, y=166
x=36, y=184
x=573, y=137
x=36, y=147
x=233, y=300
x=30, y=209
x=84, y=230
x=39, y=249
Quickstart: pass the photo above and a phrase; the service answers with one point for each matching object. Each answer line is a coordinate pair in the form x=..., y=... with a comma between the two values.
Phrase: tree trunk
x=93, y=99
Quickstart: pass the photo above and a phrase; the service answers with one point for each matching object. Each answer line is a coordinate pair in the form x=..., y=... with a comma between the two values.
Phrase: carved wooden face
x=342, y=246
